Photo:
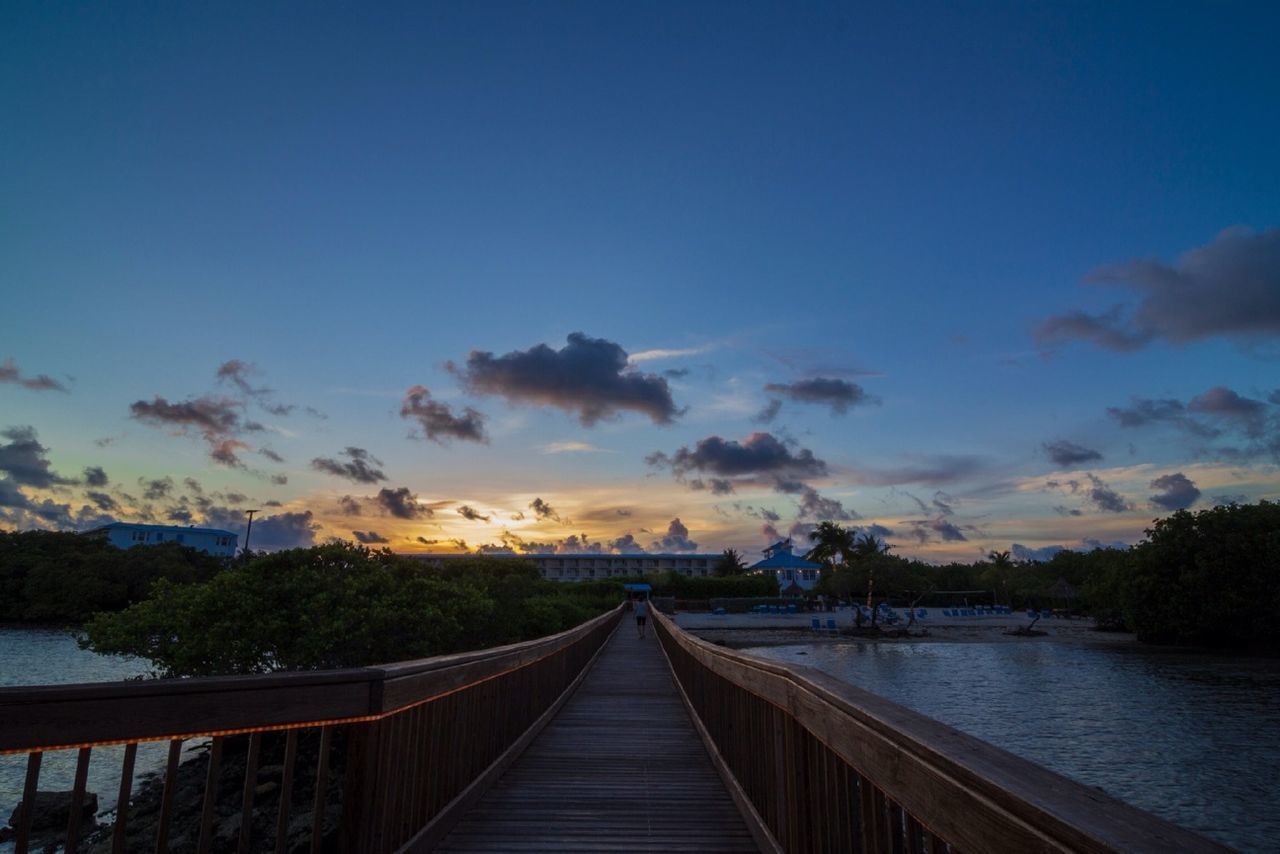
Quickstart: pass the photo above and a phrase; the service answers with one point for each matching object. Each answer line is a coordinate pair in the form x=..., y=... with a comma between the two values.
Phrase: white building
x=126, y=535
x=795, y=575
x=587, y=566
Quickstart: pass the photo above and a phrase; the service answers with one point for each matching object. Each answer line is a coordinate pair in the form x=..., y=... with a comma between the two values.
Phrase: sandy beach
x=768, y=629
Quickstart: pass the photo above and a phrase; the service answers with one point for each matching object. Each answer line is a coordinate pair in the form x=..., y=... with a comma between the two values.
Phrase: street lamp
x=247, y=532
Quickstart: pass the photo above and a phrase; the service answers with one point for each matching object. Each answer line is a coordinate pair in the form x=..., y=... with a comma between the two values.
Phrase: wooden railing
x=819, y=765
x=405, y=748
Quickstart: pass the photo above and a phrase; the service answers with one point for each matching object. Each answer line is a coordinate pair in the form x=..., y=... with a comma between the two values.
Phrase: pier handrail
x=472, y=711
x=819, y=765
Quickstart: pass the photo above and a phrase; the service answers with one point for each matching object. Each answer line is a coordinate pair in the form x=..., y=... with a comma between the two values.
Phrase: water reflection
x=1193, y=738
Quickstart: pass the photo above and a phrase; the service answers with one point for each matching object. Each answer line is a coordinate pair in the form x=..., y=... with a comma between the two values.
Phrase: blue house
x=796, y=576
x=126, y=535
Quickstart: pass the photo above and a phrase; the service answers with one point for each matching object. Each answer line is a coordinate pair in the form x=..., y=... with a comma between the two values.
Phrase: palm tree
x=832, y=544
x=730, y=563
x=1001, y=563
x=866, y=545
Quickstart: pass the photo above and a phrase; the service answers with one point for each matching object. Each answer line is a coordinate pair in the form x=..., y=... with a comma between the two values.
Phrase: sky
x=648, y=276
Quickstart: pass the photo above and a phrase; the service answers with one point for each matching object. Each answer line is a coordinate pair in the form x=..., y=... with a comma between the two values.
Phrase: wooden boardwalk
x=620, y=768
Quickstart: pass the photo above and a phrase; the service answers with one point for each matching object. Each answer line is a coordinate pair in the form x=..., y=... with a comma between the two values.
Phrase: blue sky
x=911, y=204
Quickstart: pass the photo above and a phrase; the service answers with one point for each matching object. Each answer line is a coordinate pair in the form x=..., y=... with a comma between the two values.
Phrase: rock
x=271, y=771
x=51, y=810
x=264, y=789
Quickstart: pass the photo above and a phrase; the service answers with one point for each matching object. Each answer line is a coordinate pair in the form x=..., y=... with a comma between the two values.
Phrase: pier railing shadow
x=404, y=748
x=818, y=765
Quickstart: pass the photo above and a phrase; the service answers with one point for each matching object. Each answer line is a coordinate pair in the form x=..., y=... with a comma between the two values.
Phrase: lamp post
x=247, y=532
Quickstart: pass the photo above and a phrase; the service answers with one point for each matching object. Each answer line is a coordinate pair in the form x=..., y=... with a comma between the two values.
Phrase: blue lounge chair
x=831, y=626
x=921, y=613
x=815, y=624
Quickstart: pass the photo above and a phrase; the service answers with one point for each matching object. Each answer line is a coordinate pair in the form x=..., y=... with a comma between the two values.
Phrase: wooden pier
x=620, y=768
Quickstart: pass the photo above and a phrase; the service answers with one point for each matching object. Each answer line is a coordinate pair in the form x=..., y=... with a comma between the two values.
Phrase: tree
x=730, y=563
x=833, y=544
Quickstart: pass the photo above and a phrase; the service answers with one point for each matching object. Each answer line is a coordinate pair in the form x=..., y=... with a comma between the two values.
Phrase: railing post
x=360, y=789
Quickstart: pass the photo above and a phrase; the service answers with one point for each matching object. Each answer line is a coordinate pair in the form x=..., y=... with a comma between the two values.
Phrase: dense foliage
x=341, y=605
x=1210, y=578
x=727, y=587
x=56, y=577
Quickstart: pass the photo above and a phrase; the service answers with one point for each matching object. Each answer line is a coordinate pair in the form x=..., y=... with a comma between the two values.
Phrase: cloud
x=271, y=455
x=543, y=510
x=401, y=503
x=9, y=373
x=589, y=376
x=154, y=490
x=675, y=540
x=768, y=413
x=932, y=470
x=651, y=355
x=95, y=476
x=760, y=458
x=426, y=542
x=23, y=459
x=369, y=538
x=471, y=514
x=818, y=508
x=1066, y=454
x=927, y=530
x=216, y=419
x=1219, y=500
x=577, y=544
x=359, y=467
x=285, y=531
x=102, y=501
x=1021, y=552
x=1230, y=287
x=349, y=506
x=1105, y=498
x=573, y=448
x=835, y=393
x=437, y=420
x=1176, y=492
x=626, y=544
x=1222, y=402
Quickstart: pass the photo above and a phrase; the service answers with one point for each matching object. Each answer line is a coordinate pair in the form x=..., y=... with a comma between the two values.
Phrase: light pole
x=247, y=532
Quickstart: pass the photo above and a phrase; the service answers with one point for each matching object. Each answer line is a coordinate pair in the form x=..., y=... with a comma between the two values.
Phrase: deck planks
x=619, y=769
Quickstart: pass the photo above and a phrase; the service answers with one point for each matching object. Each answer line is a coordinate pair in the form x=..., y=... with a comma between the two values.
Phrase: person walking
x=641, y=608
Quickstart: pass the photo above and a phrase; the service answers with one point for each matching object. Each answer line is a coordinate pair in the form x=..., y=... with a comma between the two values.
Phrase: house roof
x=177, y=529
x=785, y=560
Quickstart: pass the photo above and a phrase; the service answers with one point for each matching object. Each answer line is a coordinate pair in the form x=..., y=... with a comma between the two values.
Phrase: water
x=1190, y=737
x=50, y=657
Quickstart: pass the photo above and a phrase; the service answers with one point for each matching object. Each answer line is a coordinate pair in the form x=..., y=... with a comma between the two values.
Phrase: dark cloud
x=935, y=470
x=471, y=514
x=1063, y=510
x=1105, y=498
x=579, y=544
x=626, y=544
x=237, y=373
x=11, y=495
x=675, y=540
x=426, y=542
x=216, y=419
x=761, y=458
x=1064, y=453
x=1220, y=500
x=717, y=485
x=271, y=455
x=437, y=420
x=95, y=476
x=1222, y=402
x=819, y=508
x=928, y=530
x=360, y=466
x=1143, y=412
x=768, y=413
x=401, y=503
x=179, y=515
x=1229, y=287
x=272, y=503
x=235, y=498
x=543, y=510
x=279, y=479
x=349, y=506
x=880, y=532
x=225, y=452
x=102, y=501
x=193, y=485
x=23, y=459
x=285, y=531
x=9, y=373
x=1176, y=492
x=589, y=376
x=676, y=373
x=369, y=538
x=835, y=393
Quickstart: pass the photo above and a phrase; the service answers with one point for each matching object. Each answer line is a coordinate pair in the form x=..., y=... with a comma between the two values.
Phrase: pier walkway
x=620, y=768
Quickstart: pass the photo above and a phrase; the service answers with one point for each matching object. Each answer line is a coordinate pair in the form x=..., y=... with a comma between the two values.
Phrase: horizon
x=663, y=278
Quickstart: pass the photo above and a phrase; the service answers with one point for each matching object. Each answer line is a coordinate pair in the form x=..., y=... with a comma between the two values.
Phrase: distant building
x=587, y=566
x=796, y=576
x=126, y=535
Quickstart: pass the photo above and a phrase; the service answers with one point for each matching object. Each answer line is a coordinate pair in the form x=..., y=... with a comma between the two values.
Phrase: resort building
x=796, y=576
x=590, y=565
x=126, y=535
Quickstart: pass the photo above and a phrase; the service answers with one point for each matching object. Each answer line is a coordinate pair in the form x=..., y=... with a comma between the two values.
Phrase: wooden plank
x=77, y=800
x=166, y=796
x=619, y=768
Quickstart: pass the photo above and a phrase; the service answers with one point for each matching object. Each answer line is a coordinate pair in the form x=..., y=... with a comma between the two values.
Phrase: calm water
x=1193, y=738
x=47, y=657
